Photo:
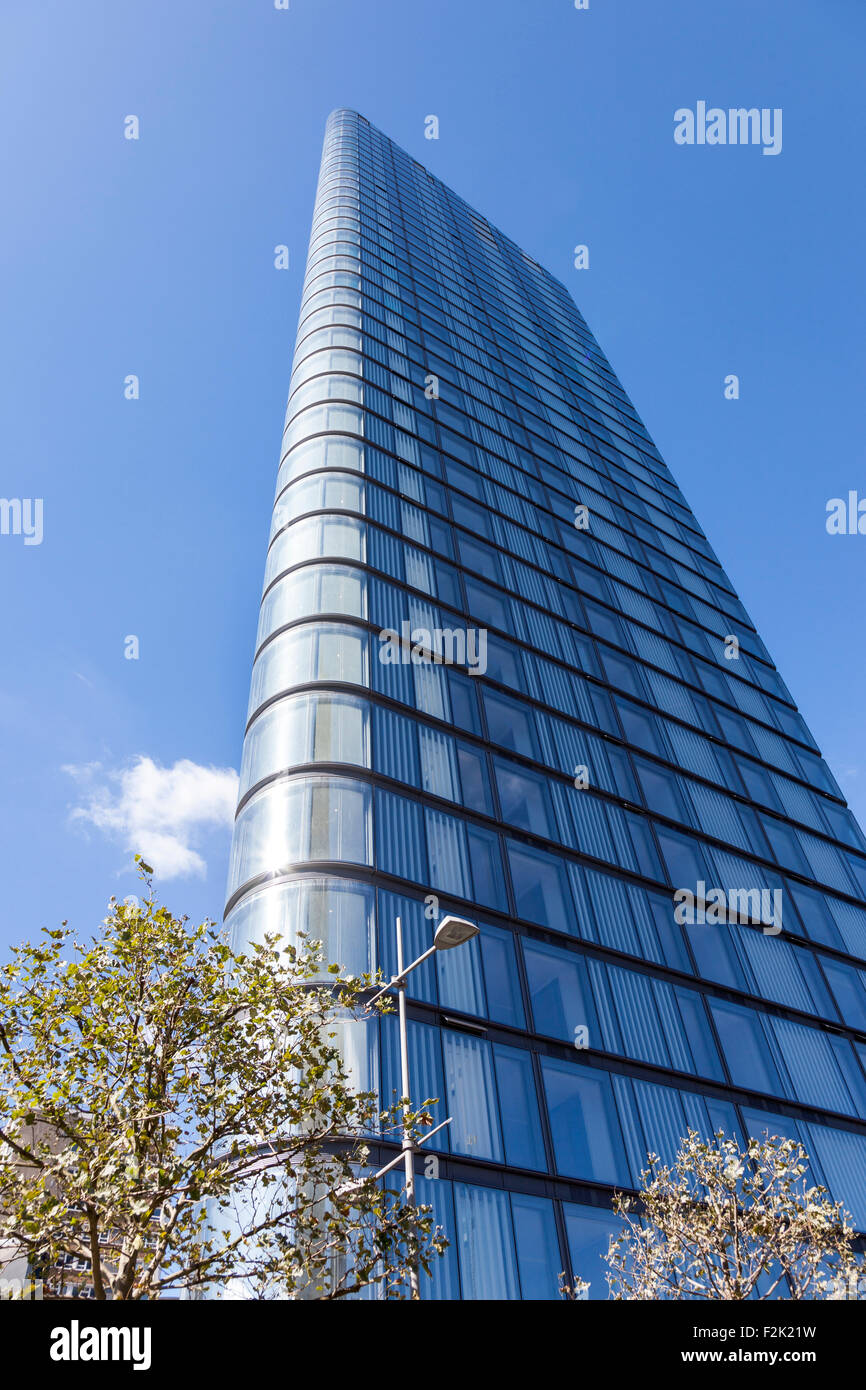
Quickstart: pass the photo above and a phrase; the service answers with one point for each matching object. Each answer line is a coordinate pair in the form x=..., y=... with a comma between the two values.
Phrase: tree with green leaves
x=730, y=1223
x=179, y=1117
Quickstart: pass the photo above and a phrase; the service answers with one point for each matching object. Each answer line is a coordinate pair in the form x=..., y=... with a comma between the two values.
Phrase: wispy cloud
x=162, y=813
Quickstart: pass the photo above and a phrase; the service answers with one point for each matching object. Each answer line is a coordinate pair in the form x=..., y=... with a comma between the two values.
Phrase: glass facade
x=499, y=671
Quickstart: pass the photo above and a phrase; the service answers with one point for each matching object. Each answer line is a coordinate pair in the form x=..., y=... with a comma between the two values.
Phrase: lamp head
x=453, y=931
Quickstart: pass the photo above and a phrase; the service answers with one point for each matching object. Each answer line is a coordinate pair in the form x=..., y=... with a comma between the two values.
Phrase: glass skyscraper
x=500, y=672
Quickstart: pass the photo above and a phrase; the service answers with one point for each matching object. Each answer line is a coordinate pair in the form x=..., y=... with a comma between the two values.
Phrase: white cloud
x=161, y=813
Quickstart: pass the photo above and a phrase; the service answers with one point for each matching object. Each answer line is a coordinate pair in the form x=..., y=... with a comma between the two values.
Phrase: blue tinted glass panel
x=847, y=985
x=540, y=888
x=518, y=1103
x=485, y=863
x=504, y=1003
x=538, y=1259
x=559, y=992
x=670, y=933
x=471, y=1091
x=583, y=1120
x=589, y=1230
x=715, y=954
x=701, y=1043
x=485, y=1243
x=746, y=1048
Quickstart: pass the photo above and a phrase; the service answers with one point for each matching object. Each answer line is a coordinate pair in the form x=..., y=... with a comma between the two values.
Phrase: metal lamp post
x=452, y=931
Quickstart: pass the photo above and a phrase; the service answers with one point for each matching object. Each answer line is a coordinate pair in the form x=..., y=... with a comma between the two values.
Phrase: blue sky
x=155, y=257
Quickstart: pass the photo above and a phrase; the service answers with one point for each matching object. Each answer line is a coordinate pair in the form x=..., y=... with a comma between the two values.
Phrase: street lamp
x=452, y=931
